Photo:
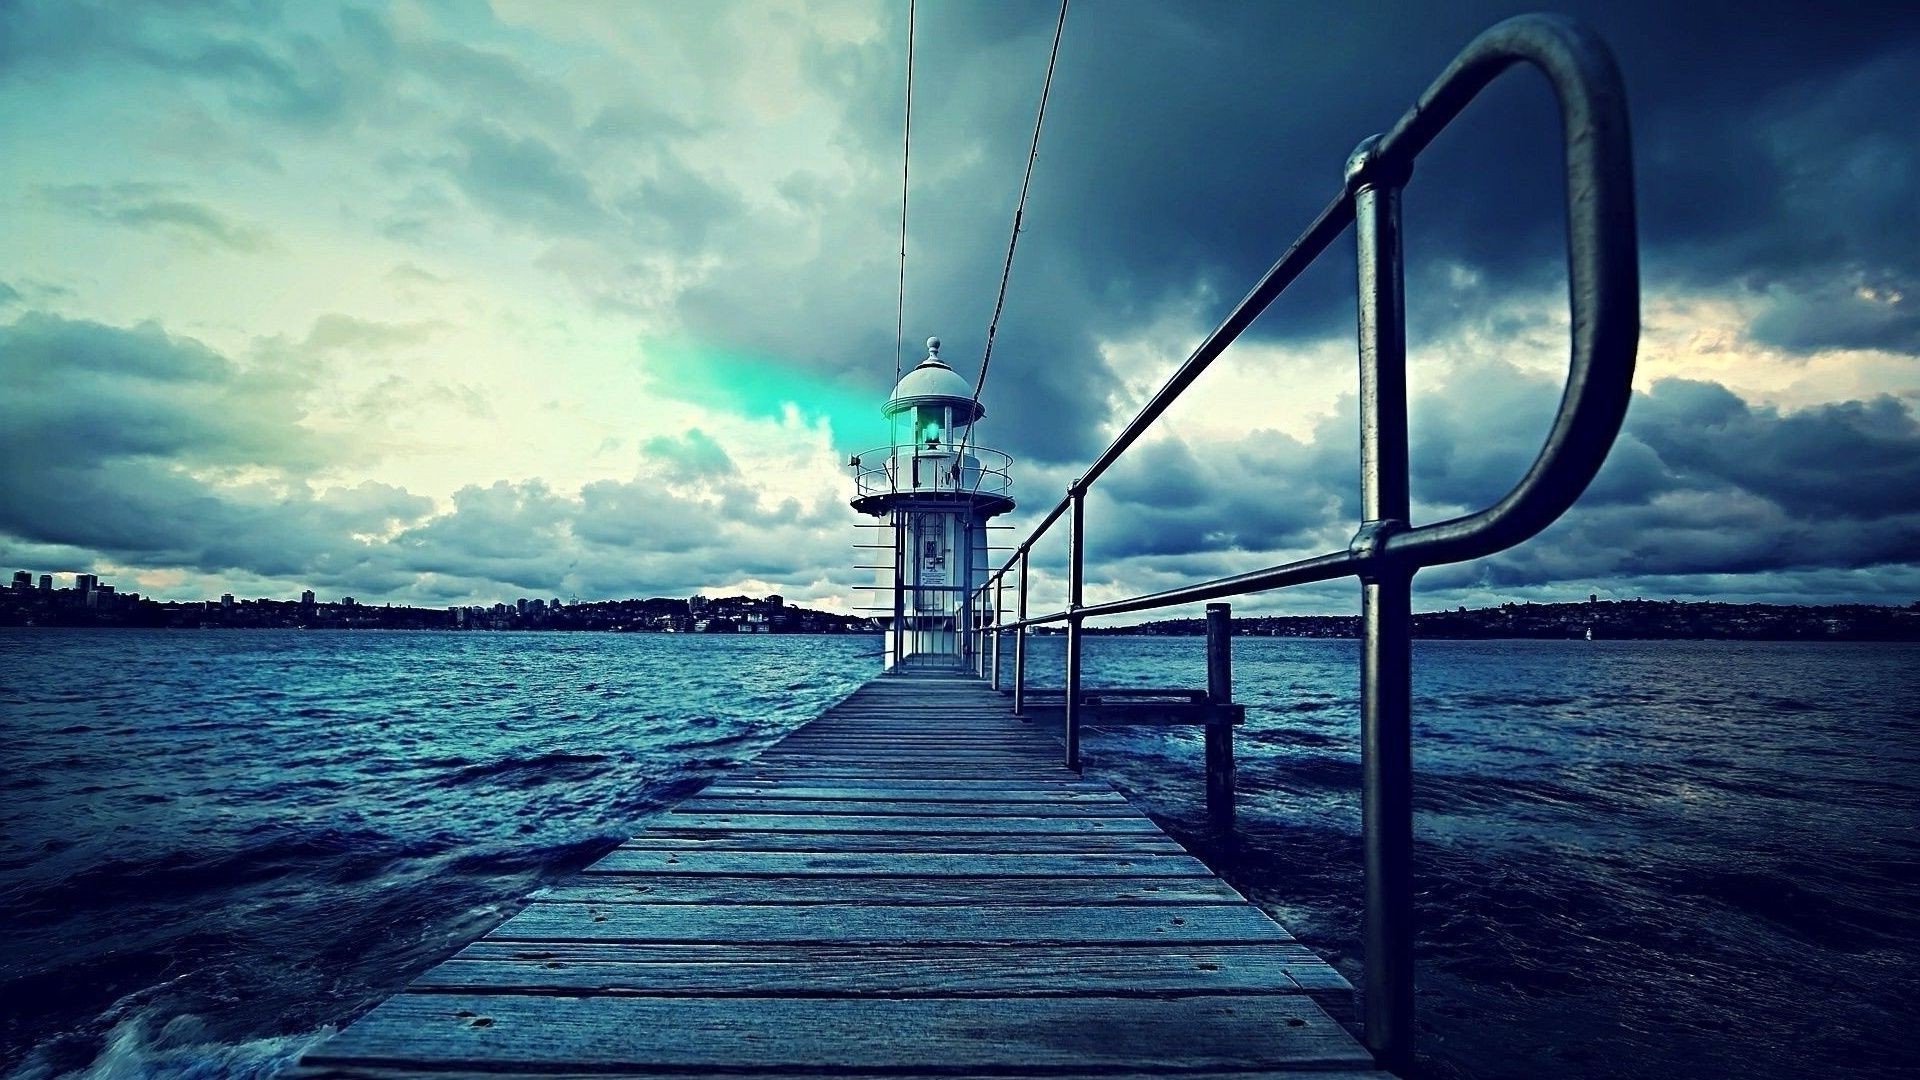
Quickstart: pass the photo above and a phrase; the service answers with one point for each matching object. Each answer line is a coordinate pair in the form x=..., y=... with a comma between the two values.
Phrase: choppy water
x=1637, y=859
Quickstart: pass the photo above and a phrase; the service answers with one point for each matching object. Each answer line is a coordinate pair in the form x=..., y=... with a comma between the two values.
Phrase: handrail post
x=999, y=598
x=972, y=606
x=899, y=588
x=980, y=633
x=1219, y=733
x=1386, y=681
x=1020, y=643
x=1076, y=566
x=972, y=633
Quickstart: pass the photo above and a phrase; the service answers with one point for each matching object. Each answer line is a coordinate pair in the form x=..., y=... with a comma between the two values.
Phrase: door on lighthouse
x=933, y=583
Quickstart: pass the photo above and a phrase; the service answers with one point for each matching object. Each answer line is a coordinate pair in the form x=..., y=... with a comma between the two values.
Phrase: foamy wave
x=178, y=1050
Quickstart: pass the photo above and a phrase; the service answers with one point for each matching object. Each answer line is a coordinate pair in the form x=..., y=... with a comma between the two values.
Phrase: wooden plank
x=846, y=923
x=679, y=822
x=984, y=843
x=871, y=807
x=486, y=1032
x=886, y=792
x=868, y=889
x=896, y=864
x=815, y=970
x=1056, y=781
x=423, y=1071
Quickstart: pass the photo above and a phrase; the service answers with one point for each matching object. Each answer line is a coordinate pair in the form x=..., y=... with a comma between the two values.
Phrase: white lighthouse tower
x=934, y=490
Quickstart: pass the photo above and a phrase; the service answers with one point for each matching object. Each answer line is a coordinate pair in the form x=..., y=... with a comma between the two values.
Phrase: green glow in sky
x=762, y=387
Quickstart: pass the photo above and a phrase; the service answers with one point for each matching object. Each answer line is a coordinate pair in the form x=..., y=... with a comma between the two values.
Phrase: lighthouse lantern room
x=933, y=489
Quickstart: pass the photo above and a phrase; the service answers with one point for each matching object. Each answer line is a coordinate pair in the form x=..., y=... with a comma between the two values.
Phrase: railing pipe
x=1386, y=735
x=1020, y=642
x=980, y=632
x=999, y=599
x=899, y=588
x=1219, y=735
x=1076, y=567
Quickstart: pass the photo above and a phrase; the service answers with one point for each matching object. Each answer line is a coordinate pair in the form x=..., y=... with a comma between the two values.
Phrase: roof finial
x=933, y=348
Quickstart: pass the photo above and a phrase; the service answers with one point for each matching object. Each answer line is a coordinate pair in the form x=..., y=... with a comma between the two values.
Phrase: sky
x=455, y=303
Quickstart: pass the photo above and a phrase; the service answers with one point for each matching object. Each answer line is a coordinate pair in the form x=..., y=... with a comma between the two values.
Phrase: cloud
x=151, y=450
x=78, y=392
x=337, y=331
x=157, y=208
x=522, y=178
x=694, y=455
x=1701, y=482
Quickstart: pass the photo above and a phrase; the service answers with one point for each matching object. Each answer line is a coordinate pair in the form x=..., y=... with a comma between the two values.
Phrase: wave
x=180, y=1049
x=536, y=769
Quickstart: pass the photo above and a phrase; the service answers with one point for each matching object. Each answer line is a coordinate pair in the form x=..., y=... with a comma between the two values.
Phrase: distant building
x=226, y=601
x=776, y=600
x=699, y=605
x=22, y=581
x=46, y=582
x=306, y=598
x=84, y=584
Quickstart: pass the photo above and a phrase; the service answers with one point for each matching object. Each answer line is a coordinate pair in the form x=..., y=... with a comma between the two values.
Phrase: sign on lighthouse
x=934, y=488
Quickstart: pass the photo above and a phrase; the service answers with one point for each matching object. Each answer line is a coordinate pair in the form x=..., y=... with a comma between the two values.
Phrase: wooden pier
x=909, y=885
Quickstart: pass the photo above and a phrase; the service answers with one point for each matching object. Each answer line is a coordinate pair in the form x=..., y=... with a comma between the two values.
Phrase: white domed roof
x=934, y=383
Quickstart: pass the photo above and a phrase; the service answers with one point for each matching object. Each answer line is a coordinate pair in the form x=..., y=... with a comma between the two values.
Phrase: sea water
x=1639, y=859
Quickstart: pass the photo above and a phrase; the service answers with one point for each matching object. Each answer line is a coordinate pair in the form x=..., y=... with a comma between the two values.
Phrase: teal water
x=1636, y=859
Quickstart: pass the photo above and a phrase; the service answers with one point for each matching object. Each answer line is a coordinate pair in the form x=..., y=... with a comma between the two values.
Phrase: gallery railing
x=1387, y=548
x=931, y=468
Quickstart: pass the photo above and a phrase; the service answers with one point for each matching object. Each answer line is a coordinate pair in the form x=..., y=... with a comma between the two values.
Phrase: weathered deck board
x=888, y=924
x=895, y=970
x=910, y=885
x=896, y=864
x=634, y=1034
x=842, y=889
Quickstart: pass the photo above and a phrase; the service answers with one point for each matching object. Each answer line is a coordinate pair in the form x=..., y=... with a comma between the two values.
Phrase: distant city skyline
x=432, y=304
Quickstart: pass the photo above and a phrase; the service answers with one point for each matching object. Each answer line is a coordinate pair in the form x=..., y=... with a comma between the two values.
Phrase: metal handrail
x=1387, y=549
x=981, y=472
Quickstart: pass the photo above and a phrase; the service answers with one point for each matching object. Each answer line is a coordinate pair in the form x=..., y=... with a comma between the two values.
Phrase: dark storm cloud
x=1770, y=167
x=77, y=392
x=1265, y=492
x=1701, y=482
x=108, y=434
x=1854, y=460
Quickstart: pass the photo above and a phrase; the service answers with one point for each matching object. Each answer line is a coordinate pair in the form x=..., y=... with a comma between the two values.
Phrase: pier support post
x=1076, y=565
x=1386, y=680
x=1220, y=787
x=1020, y=643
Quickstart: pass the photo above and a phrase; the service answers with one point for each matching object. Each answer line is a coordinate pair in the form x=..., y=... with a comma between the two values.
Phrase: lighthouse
x=932, y=490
